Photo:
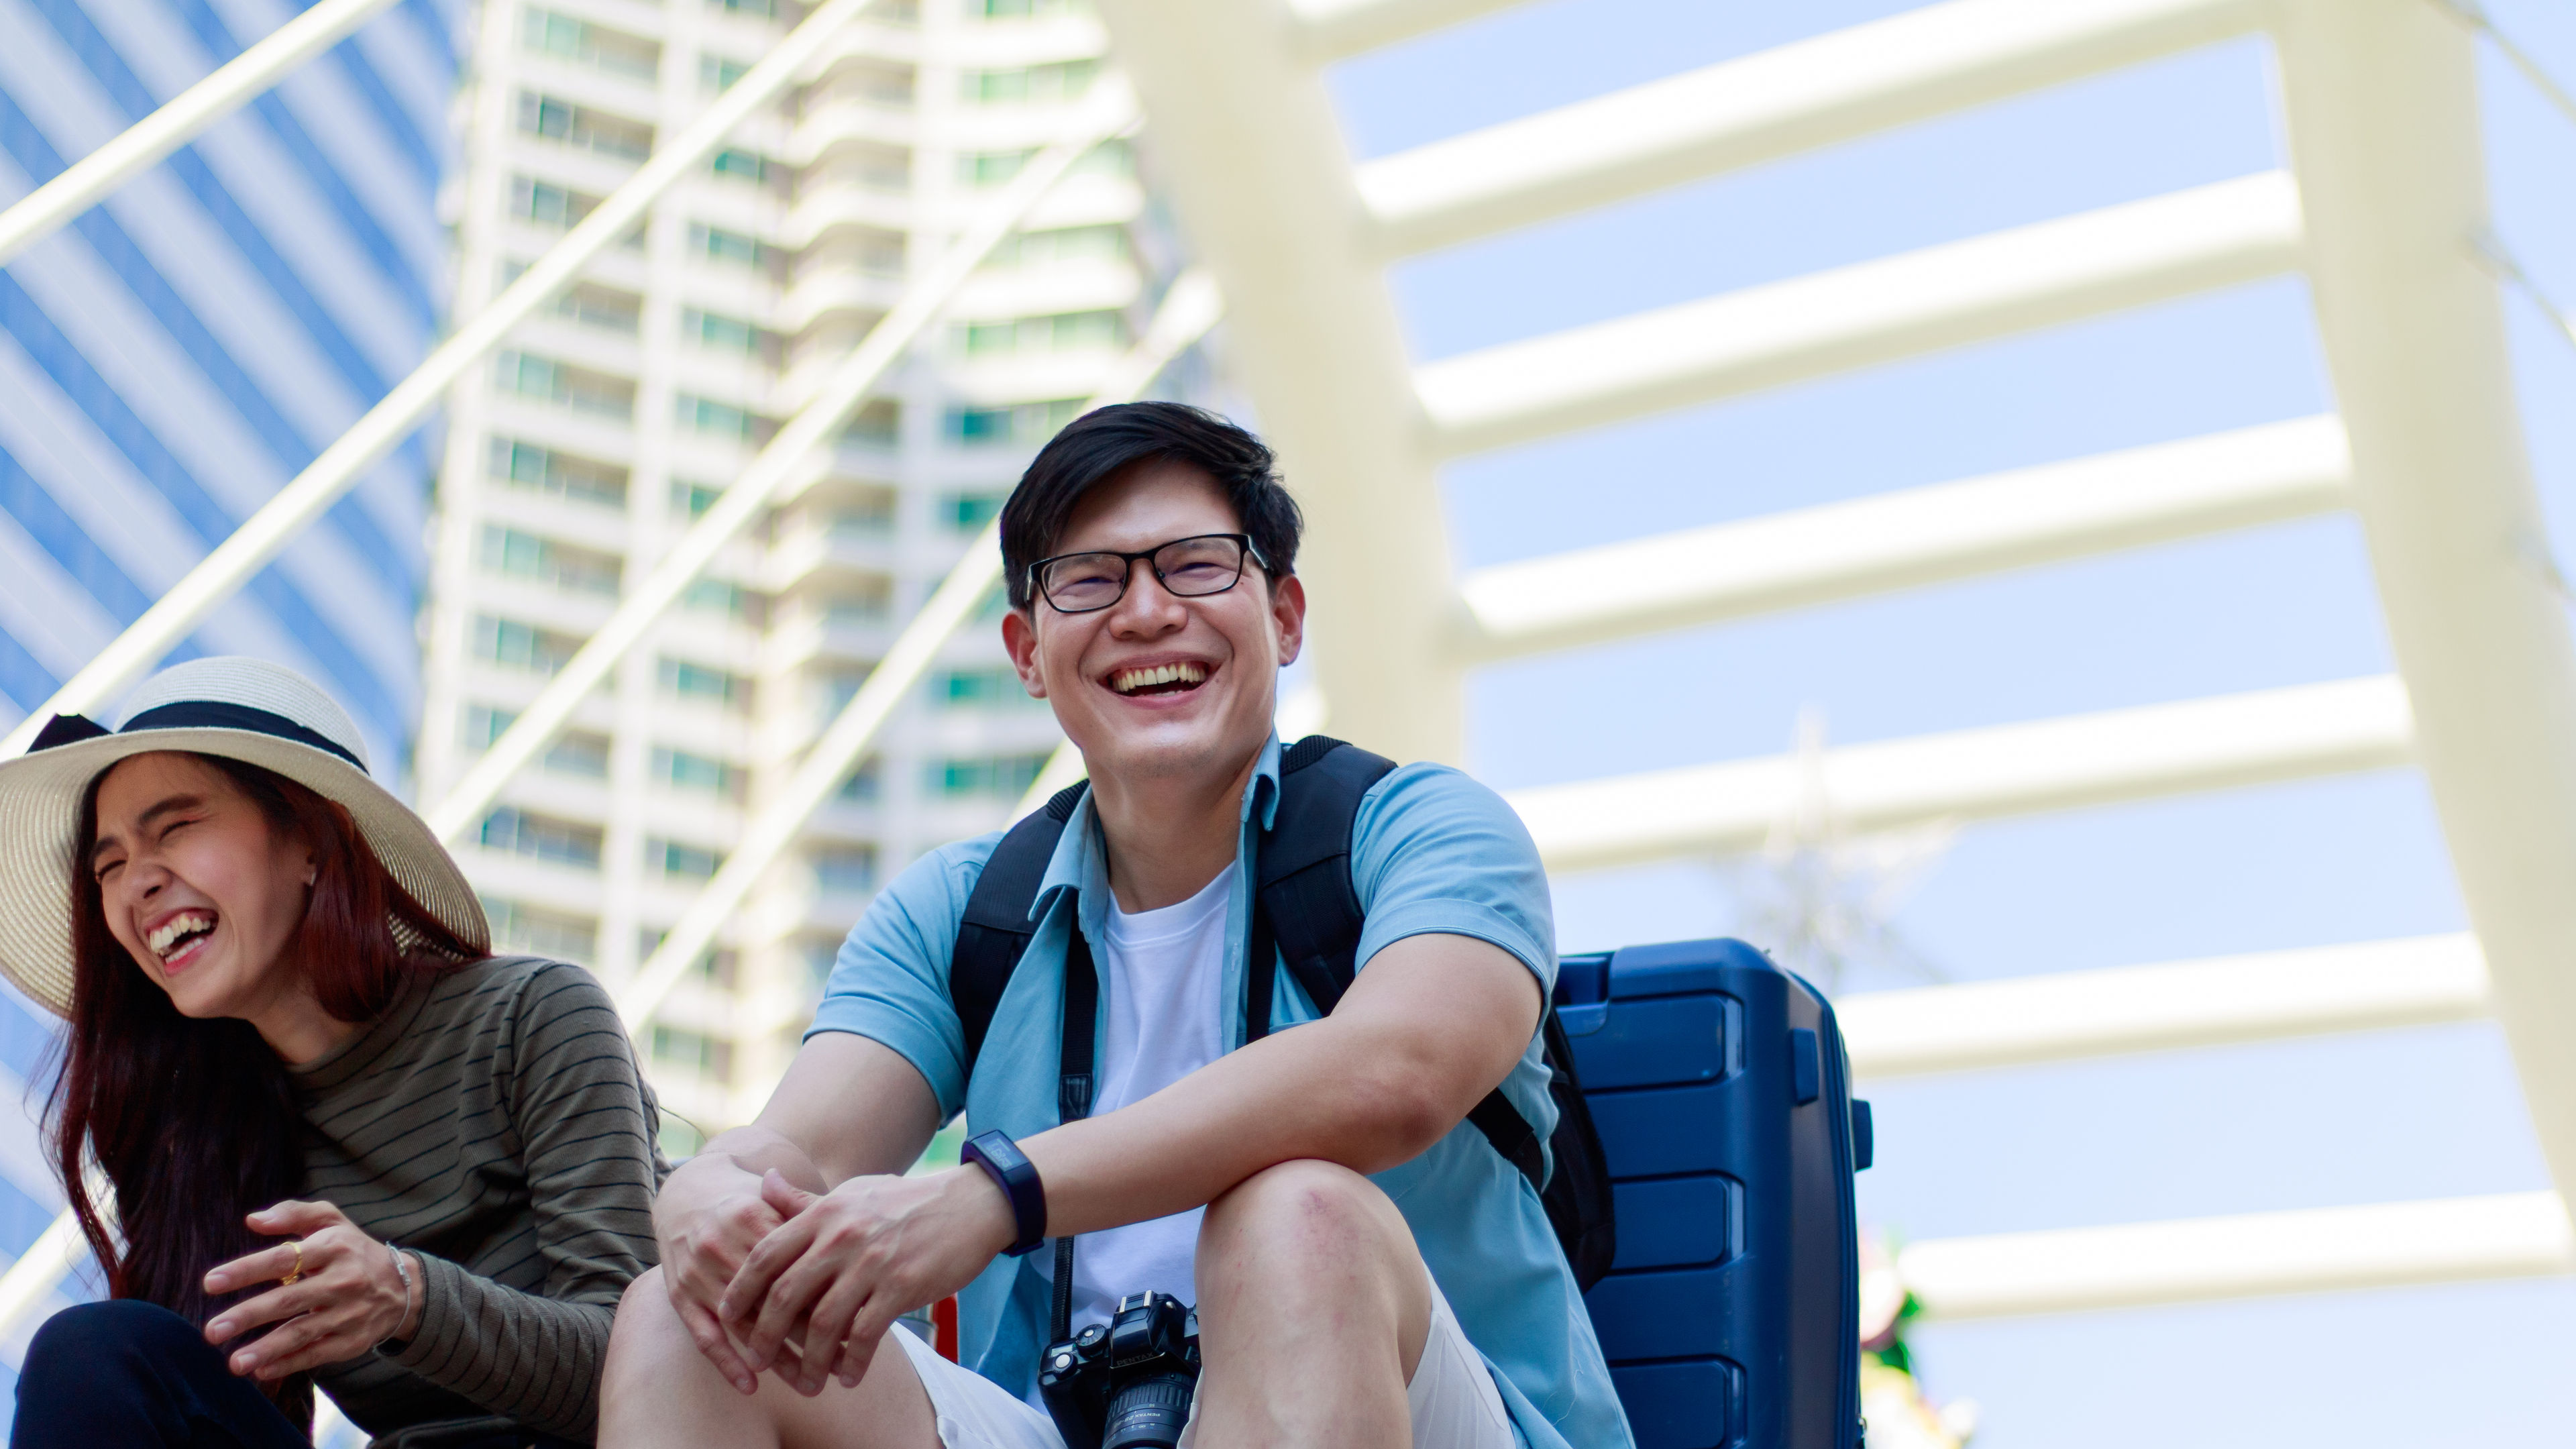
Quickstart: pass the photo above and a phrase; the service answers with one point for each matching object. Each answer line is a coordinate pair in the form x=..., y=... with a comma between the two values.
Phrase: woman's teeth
x=180, y=929
x=1128, y=681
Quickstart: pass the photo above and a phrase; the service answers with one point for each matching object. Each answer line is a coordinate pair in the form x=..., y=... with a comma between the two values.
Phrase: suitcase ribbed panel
x=1730, y=1318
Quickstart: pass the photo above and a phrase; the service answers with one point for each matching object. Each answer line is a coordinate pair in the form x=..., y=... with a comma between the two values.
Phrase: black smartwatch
x=1017, y=1177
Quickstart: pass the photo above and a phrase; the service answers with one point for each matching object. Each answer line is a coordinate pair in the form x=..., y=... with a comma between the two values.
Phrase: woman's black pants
x=126, y=1372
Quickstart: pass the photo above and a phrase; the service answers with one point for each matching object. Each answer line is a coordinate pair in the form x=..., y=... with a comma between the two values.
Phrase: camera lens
x=1148, y=1414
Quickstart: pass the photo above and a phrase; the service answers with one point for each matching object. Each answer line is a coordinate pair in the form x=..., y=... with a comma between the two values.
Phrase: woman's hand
x=348, y=1298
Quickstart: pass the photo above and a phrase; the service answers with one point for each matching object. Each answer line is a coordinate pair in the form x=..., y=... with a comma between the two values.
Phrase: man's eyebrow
x=169, y=806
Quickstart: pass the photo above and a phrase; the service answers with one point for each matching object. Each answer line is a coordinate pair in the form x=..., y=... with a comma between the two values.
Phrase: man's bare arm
x=1428, y=1029
x=1431, y=1026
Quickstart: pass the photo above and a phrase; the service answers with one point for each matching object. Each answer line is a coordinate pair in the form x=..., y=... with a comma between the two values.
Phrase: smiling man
x=1367, y=1267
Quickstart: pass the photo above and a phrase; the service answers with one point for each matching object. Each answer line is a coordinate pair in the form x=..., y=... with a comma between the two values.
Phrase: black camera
x=1125, y=1384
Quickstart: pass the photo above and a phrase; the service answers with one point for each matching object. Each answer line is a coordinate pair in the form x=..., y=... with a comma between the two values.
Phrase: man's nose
x=1146, y=605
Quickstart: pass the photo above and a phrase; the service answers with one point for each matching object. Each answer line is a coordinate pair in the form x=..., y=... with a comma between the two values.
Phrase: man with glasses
x=1367, y=1269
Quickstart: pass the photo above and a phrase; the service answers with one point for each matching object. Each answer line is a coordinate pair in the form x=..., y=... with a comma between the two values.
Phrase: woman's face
x=197, y=887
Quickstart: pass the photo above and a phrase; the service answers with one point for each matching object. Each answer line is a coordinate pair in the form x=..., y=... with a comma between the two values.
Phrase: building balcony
x=799, y=553
x=827, y=203
x=847, y=118
x=837, y=292
x=1084, y=284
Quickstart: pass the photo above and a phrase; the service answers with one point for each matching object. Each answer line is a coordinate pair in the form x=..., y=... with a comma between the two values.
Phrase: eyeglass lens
x=1079, y=582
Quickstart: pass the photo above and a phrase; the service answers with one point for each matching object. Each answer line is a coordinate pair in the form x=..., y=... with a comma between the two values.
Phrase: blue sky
x=2378, y=1117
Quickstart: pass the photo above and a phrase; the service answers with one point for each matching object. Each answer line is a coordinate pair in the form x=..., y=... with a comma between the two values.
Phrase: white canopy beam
x=1188, y=310
x=305, y=497
x=2058, y=1017
x=1246, y=137
x=1739, y=113
x=1333, y=29
x=2058, y=764
x=1110, y=111
x=1908, y=539
x=2383, y=112
x=1859, y=316
x=85, y=182
x=2511, y=1235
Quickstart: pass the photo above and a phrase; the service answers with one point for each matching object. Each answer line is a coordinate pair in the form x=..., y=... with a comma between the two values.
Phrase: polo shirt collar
x=1081, y=862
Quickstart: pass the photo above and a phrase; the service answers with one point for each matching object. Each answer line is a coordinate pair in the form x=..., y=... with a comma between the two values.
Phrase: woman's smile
x=180, y=938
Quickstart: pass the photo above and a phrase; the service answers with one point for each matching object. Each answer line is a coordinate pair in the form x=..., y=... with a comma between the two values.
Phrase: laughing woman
x=340, y=1141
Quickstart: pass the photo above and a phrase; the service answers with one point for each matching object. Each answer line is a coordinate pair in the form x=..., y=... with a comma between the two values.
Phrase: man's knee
x=1303, y=1211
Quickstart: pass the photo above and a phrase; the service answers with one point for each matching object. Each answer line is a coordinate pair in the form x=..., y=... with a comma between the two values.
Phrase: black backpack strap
x=1305, y=901
x=1302, y=893
x=996, y=928
x=1073, y=1098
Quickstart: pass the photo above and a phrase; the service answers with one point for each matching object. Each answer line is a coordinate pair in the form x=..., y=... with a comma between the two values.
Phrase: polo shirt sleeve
x=1434, y=852
x=890, y=981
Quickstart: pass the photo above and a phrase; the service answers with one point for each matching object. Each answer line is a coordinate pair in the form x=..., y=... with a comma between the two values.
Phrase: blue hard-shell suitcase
x=1723, y=1099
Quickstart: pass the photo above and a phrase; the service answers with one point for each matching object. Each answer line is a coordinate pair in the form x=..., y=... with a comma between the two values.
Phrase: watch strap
x=1017, y=1177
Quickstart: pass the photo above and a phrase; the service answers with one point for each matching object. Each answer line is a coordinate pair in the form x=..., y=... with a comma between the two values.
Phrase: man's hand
x=817, y=1295
x=707, y=1230
x=340, y=1294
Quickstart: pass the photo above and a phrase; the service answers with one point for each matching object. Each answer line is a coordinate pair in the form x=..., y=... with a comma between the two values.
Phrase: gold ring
x=297, y=1272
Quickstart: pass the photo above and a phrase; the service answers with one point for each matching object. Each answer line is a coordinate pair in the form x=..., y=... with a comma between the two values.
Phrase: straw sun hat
x=242, y=709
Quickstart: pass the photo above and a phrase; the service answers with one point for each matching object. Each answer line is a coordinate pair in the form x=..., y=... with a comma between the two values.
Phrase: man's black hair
x=1106, y=443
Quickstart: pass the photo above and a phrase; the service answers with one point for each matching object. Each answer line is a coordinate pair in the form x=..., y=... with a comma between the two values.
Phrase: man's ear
x=1288, y=615
x=1020, y=637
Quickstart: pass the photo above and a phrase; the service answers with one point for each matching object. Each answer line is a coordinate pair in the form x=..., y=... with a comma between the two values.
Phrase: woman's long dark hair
x=195, y=1122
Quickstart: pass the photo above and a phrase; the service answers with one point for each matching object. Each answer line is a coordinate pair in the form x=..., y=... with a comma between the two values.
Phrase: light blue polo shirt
x=1432, y=852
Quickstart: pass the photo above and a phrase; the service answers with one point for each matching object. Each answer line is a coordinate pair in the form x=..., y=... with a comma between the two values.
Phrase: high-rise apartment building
x=169, y=359
x=586, y=447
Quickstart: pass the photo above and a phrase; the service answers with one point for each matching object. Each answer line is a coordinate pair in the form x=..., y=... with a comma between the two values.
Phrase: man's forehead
x=1151, y=503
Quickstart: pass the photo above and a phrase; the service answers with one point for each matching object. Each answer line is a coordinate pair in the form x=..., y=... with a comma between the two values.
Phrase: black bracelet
x=1017, y=1177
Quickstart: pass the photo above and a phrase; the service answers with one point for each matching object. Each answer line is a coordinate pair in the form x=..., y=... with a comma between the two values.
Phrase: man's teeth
x=168, y=932
x=1128, y=681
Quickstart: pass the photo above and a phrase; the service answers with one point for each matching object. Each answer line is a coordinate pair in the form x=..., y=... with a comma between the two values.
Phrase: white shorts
x=1452, y=1398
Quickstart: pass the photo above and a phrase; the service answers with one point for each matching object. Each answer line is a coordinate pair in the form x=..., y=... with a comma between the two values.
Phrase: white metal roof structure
x=2382, y=209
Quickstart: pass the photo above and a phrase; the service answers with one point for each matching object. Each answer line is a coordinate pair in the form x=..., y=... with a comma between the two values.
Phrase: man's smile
x=1178, y=677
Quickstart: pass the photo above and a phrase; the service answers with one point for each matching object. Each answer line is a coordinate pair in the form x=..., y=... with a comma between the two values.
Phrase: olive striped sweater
x=492, y=1122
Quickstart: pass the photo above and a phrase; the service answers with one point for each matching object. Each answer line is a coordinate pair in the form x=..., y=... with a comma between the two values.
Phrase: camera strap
x=1073, y=1091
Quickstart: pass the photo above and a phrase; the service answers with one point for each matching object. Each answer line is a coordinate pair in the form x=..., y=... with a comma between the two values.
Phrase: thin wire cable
x=2474, y=15
x=2489, y=252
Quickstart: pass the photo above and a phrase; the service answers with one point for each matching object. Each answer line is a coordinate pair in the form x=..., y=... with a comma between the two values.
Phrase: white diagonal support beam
x=234, y=84
x=2059, y=764
x=1862, y=315
x=42, y=1268
x=1907, y=539
x=1109, y=111
x=1332, y=29
x=2388, y=1245
x=1245, y=135
x=2382, y=102
x=308, y=494
x=1762, y=107
x=1188, y=310
x=2364, y=987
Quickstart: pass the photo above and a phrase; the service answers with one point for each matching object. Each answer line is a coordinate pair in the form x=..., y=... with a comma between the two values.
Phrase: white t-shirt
x=1162, y=973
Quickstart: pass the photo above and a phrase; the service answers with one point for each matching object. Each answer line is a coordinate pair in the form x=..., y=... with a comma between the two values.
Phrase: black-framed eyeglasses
x=1193, y=567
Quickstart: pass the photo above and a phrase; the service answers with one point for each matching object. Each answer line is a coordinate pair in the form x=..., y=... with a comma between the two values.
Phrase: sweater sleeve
x=585, y=1128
